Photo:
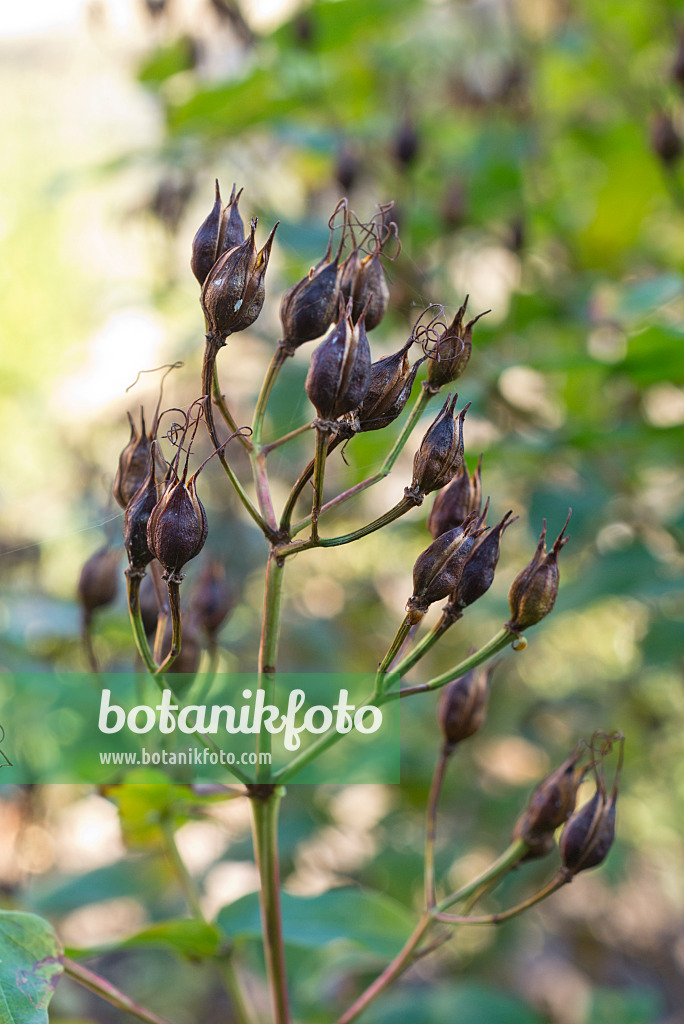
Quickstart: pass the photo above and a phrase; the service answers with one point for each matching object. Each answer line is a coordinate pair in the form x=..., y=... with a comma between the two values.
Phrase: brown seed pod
x=136, y=518
x=213, y=598
x=177, y=527
x=233, y=293
x=534, y=590
x=222, y=230
x=308, y=307
x=133, y=462
x=451, y=354
x=389, y=389
x=550, y=806
x=455, y=502
x=99, y=580
x=440, y=455
x=463, y=706
x=438, y=569
x=339, y=373
x=363, y=281
x=589, y=833
x=478, y=572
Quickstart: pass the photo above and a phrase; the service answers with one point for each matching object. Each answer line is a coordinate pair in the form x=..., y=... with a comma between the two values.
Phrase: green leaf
x=184, y=936
x=30, y=967
x=365, y=919
x=472, y=1003
x=167, y=61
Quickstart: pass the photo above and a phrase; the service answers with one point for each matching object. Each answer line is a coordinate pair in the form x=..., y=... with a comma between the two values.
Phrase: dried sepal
x=133, y=462
x=136, y=518
x=478, y=572
x=438, y=569
x=389, y=389
x=589, y=833
x=308, y=307
x=534, y=590
x=550, y=806
x=222, y=230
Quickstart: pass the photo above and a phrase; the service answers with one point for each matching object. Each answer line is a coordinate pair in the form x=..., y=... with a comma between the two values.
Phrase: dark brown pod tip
x=389, y=389
x=133, y=462
x=339, y=373
x=478, y=572
x=451, y=354
x=438, y=569
x=589, y=833
x=463, y=706
x=454, y=503
x=534, y=590
x=363, y=281
x=213, y=598
x=177, y=527
x=99, y=580
x=222, y=230
x=550, y=806
x=440, y=455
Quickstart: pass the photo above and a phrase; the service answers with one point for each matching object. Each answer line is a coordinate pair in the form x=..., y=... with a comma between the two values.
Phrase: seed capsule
x=589, y=834
x=137, y=515
x=213, y=598
x=463, y=706
x=389, y=389
x=534, y=590
x=233, y=293
x=438, y=569
x=550, y=806
x=478, y=572
x=451, y=354
x=177, y=527
x=222, y=230
x=99, y=580
x=364, y=282
x=454, y=503
x=308, y=307
x=133, y=463
x=339, y=373
x=440, y=455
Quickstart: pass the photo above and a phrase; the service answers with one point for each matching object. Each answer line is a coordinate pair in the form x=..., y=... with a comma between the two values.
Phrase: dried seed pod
x=451, y=354
x=339, y=373
x=438, y=569
x=363, y=281
x=406, y=143
x=133, y=462
x=389, y=389
x=665, y=140
x=232, y=295
x=463, y=706
x=149, y=609
x=99, y=580
x=213, y=598
x=308, y=307
x=454, y=503
x=589, y=834
x=550, y=806
x=440, y=455
x=478, y=572
x=347, y=167
x=177, y=526
x=222, y=230
x=534, y=590
x=137, y=515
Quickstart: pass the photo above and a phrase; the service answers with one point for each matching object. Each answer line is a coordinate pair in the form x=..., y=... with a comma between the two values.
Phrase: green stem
x=322, y=437
x=401, y=508
x=393, y=970
x=268, y=651
x=225, y=967
x=501, y=866
x=231, y=422
x=265, y=831
x=420, y=650
x=554, y=885
x=502, y=639
x=133, y=581
x=163, y=609
x=391, y=654
x=431, y=825
x=176, y=627
x=208, y=367
x=297, y=432
x=277, y=362
x=94, y=983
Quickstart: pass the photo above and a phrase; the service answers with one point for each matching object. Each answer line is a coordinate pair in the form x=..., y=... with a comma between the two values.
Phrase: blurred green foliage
x=517, y=142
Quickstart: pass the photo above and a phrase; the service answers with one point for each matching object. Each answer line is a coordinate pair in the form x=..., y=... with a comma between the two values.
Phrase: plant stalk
x=268, y=652
x=94, y=983
x=265, y=832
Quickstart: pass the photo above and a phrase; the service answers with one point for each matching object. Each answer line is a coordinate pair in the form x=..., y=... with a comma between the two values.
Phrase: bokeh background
x=533, y=153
